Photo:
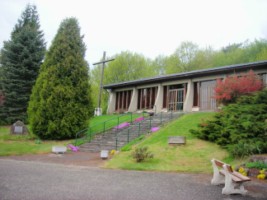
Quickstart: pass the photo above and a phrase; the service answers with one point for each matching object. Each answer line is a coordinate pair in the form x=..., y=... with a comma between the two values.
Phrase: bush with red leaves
x=232, y=87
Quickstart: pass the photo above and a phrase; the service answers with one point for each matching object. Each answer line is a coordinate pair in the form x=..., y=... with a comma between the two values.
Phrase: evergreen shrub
x=240, y=127
x=60, y=103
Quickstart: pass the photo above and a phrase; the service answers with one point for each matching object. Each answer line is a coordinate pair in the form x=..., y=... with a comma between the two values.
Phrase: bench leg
x=217, y=178
x=233, y=188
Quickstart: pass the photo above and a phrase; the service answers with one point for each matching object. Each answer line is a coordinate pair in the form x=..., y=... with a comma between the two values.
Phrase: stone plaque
x=18, y=128
x=176, y=140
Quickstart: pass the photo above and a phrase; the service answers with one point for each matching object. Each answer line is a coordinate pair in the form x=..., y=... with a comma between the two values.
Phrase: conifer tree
x=60, y=101
x=20, y=60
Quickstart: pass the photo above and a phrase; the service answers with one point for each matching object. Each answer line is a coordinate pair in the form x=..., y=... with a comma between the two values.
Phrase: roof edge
x=185, y=74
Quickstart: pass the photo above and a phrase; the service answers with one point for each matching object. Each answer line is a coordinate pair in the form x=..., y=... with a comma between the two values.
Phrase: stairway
x=115, y=139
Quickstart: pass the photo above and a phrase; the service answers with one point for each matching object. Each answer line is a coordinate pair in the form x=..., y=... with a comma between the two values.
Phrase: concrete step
x=107, y=141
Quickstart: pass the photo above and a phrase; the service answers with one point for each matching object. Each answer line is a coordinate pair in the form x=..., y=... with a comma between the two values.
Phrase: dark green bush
x=141, y=153
x=240, y=127
x=244, y=149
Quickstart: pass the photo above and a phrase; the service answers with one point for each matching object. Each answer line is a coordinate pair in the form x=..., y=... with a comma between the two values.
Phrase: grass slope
x=194, y=157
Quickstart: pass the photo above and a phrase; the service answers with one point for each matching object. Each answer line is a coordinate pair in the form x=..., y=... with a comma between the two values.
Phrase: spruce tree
x=21, y=58
x=60, y=103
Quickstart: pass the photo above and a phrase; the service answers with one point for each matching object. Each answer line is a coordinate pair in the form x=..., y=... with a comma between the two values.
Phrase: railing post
x=90, y=135
x=139, y=129
x=116, y=143
x=131, y=117
x=150, y=117
x=128, y=137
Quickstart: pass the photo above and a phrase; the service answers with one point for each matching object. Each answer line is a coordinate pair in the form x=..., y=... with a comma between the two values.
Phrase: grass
x=104, y=122
x=194, y=157
x=9, y=148
x=27, y=144
x=24, y=144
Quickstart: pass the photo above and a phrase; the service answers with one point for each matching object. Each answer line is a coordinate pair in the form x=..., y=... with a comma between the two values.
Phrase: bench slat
x=234, y=178
x=240, y=176
x=219, y=163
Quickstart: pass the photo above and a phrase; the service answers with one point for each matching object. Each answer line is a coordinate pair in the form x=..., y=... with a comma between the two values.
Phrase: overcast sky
x=149, y=27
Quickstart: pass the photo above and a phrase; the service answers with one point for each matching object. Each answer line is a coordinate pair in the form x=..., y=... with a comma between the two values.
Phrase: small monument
x=18, y=128
x=176, y=140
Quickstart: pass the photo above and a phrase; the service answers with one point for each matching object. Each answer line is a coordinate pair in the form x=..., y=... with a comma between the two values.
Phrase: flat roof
x=190, y=74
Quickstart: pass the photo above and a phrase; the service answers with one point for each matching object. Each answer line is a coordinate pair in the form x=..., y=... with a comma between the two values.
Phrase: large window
x=123, y=100
x=147, y=98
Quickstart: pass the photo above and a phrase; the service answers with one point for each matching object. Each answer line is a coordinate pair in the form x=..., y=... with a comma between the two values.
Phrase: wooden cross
x=102, y=74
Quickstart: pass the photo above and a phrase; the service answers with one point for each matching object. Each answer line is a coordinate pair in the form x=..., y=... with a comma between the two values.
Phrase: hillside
x=194, y=157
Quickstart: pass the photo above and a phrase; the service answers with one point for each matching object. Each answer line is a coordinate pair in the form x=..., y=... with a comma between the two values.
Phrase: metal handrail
x=139, y=125
x=91, y=132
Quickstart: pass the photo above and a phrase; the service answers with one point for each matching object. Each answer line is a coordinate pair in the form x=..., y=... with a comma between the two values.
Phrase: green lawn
x=27, y=144
x=193, y=157
x=104, y=122
x=24, y=144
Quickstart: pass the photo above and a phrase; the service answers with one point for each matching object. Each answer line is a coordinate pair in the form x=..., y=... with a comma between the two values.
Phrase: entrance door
x=176, y=99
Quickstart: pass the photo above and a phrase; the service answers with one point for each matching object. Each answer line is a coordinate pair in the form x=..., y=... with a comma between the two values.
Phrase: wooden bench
x=232, y=180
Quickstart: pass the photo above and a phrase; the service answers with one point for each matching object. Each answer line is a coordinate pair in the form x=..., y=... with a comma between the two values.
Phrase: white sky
x=149, y=27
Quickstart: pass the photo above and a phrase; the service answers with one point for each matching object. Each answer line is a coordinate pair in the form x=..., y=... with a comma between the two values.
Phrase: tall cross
x=102, y=74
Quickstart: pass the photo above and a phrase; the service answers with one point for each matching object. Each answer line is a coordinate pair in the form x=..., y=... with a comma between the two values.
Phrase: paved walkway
x=78, y=176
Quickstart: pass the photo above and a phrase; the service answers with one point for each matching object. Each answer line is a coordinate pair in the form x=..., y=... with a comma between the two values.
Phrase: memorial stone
x=176, y=140
x=18, y=128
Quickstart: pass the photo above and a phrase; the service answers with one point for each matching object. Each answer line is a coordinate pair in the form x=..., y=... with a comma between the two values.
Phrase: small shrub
x=257, y=165
x=141, y=153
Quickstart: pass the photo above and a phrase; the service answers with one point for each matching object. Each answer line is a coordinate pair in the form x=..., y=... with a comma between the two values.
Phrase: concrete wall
x=111, y=102
x=188, y=101
x=133, y=103
x=159, y=99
